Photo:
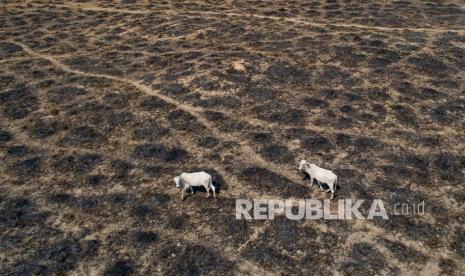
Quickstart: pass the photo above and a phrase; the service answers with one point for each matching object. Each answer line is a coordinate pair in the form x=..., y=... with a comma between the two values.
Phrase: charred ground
x=102, y=103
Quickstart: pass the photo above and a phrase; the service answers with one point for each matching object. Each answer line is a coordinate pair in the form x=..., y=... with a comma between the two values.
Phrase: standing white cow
x=186, y=181
x=321, y=175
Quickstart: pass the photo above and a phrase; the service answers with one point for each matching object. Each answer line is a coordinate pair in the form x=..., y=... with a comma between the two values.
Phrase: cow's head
x=302, y=165
x=177, y=180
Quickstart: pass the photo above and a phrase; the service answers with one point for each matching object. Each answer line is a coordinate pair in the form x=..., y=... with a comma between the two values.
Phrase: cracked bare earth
x=102, y=103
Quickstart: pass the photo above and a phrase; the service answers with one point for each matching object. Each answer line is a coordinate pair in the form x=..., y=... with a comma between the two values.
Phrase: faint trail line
x=316, y=24
x=28, y=6
x=297, y=20
x=255, y=234
x=198, y=111
x=246, y=149
x=14, y=59
x=253, y=121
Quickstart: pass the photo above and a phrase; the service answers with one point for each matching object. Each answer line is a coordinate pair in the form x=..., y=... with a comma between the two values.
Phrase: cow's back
x=194, y=177
x=324, y=173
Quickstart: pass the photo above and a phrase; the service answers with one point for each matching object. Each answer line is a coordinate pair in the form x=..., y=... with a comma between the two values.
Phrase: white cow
x=321, y=175
x=188, y=180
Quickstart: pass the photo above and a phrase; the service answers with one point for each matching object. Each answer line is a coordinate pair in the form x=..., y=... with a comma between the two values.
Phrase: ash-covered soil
x=103, y=102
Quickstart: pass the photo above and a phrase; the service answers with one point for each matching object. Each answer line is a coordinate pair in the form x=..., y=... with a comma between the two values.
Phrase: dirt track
x=103, y=103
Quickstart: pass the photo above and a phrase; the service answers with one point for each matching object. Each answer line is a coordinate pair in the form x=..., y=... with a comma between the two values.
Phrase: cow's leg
x=333, y=191
x=319, y=184
x=182, y=194
x=208, y=190
x=214, y=191
x=192, y=191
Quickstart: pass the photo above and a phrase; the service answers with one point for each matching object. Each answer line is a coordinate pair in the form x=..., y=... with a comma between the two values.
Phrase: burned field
x=102, y=103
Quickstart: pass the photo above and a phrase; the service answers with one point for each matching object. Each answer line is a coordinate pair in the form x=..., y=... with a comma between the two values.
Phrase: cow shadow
x=317, y=183
x=217, y=180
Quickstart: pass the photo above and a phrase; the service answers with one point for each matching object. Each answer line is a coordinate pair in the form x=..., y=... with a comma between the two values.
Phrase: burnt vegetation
x=102, y=103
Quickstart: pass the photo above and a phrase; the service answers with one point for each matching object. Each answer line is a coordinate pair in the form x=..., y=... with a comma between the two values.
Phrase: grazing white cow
x=321, y=175
x=186, y=181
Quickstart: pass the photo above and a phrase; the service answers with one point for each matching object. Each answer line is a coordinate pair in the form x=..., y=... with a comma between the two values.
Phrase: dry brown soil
x=103, y=102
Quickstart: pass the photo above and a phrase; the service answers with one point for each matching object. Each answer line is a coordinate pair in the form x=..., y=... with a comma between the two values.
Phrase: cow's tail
x=335, y=184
